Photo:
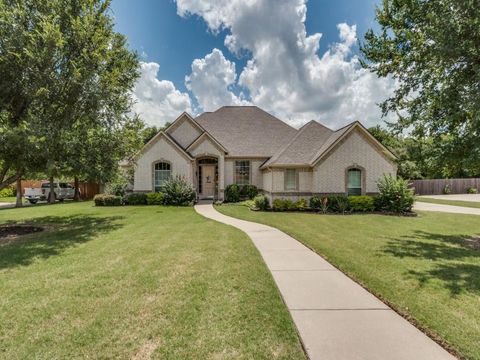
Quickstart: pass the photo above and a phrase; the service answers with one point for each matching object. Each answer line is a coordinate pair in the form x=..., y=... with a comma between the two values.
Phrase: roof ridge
x=319, y=153
x=292, y=140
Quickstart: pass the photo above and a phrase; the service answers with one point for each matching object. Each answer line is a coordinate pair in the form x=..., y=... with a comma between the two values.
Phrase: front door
x=208, y=180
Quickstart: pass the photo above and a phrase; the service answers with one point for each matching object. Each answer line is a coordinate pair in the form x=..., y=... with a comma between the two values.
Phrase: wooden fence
x=87, y=189
x=437, y=186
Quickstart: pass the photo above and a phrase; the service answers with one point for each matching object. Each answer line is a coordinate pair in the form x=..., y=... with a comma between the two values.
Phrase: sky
x=296, y=59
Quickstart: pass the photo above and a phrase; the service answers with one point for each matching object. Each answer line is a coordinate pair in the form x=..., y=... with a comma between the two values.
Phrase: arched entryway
x=207, y=177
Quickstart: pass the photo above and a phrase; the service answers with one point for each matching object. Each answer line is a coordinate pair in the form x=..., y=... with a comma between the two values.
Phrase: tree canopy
x=65, y=103
x=432, y=49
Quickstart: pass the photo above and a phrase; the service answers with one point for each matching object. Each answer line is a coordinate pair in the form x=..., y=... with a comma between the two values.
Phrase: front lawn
x=427, y=267
x=472, y=204
x=10, y=199
x=137, y=282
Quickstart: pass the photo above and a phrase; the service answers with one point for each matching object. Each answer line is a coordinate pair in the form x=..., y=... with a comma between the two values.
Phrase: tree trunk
x=51, y=195
x=76, y=184
x=19, y=193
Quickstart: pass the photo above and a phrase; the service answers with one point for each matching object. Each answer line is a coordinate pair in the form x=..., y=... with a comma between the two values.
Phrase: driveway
x=455, y=197
x=336, y=318
x=422, y=206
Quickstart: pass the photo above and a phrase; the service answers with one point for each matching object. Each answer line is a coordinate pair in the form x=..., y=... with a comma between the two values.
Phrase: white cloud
x=211, y=79
x=285, y=74
x=158, y=101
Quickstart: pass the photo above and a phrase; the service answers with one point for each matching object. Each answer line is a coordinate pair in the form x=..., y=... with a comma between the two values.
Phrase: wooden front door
x=208, y=180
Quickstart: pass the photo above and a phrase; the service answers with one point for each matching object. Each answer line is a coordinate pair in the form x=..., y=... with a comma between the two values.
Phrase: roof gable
x=184, y=130
x=342, y=133
x=169, y=139
x=206, y=136
x=302, y=146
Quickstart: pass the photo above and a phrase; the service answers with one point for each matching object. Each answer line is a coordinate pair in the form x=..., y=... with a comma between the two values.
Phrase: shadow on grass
x=60, y=234
x=447, y=259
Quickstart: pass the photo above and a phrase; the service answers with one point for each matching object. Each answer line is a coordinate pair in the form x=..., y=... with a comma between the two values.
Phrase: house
x=246, y=145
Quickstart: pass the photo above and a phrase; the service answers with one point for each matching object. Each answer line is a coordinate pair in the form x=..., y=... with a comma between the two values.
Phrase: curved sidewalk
x=336, y=318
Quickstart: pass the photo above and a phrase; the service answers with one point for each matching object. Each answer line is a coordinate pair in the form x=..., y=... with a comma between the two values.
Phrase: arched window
x=161, y=173
x=354, y=181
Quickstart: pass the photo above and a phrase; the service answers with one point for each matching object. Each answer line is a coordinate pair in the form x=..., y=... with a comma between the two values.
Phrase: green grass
x=135, y=282
x=10, y=199
x=427, y=267
x=472, y=204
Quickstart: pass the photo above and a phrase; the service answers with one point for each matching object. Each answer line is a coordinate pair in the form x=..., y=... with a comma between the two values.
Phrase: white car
x=62, y=191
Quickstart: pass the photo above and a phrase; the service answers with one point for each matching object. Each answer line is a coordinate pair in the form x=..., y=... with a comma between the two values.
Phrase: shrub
x=135, y=199
x=107, y=200
x=395, y=195
x=232, y=193
x=155, y=198
x=283, y=205
x=472, y=190
x=315, y=202
x=178, y=192
x=324, y=205
x=361, y=203
x=261, y=202
x=336, y=203
x=117, y=188
x=7, y=192
x=249, y=191
x=300, y=204
x=446, y=189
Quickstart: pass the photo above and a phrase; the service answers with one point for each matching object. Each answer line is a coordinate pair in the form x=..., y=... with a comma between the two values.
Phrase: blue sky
x=170, y=43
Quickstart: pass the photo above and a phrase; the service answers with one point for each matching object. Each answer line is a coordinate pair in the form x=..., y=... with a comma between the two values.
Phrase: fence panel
x=437, y=186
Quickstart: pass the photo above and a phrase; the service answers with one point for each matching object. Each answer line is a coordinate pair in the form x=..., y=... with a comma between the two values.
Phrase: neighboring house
x=246, y=145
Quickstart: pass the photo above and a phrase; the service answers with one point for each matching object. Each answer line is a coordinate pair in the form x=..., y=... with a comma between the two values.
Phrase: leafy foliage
x=135, y=199
x=472, y=190
x=107, y=200
x=362, y=203
x=283, y=205
x=300, y=204
x=261, y=202
x=177, y=191
x=232, y=193
x=248, y=191
x=431, y=48
x=395, y=195
x=7, y=192
x=155, y=198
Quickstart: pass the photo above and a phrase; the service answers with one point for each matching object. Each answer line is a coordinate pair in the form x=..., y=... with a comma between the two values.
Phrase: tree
x=82, y=88
x=431, y=48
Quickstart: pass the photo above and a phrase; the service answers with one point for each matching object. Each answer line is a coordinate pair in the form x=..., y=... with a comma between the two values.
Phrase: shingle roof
x=247, y=130
x=311, y=141
x=303, y=145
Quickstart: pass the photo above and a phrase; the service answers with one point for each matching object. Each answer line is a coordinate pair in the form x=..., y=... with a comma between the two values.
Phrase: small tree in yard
x=395, y=195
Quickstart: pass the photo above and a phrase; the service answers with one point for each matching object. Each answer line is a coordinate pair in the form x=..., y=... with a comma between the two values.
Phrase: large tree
x=81, y=88
x=432, y=49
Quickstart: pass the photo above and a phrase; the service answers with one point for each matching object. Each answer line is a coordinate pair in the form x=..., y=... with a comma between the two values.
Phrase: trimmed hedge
x=136, y=199
x=248, y=191
x=261, y=202
x=362, y=203
x=107, y=200
x=232, y=193
x=155, y=198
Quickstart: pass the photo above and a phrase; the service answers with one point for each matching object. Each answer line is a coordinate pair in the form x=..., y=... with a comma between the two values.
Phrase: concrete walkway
x=455, y=197
x=335, y=317
x=422, y=206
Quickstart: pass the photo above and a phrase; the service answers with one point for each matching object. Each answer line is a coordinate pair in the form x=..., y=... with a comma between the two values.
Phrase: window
x=242, y=172
x=161, y=173
x=290, y=179
x=354, y=179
